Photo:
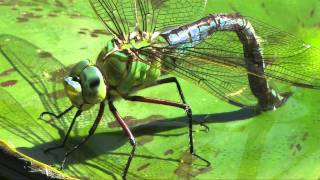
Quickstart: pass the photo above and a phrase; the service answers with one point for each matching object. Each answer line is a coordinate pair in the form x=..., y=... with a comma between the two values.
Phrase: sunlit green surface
x=281, y=144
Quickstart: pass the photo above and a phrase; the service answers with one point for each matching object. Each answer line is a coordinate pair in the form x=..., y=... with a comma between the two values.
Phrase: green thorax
x=123, y=71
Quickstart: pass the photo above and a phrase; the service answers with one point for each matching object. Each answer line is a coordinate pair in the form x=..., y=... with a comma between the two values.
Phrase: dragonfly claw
x=206, y=128
x=47, y=113
x=208, y=164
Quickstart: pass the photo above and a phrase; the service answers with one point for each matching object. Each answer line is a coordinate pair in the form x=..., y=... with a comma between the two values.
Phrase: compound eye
x=94, y=83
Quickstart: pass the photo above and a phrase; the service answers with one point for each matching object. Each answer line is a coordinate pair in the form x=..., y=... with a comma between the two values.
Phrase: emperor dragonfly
x=167, y=42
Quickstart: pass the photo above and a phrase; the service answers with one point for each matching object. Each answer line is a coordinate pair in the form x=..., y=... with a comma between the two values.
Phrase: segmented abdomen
x=196, y=32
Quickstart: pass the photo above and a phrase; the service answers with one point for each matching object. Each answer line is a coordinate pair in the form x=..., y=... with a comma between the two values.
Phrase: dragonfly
x=231, y=56
x=43, y=73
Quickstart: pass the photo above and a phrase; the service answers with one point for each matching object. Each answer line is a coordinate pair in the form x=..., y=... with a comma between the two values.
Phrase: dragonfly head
x=85, y=86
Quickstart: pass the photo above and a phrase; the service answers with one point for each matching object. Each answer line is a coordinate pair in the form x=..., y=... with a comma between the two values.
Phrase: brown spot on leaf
x=22, y=19
x=97, y=32
x=51, y=14
x=142, y=140
x=58, y=75
x=94, y=35
x=44, y=54
x=298, y=146
x=59, y=4
x=204, y=170
x=26, y=16
x=292, y=146
x=129, y=120
x=59, y=94
x=185, y=169
x=143, y=167
x=38, y=9
x=22, y=3
x=168, y=152
x=305, y=136
x=3, y=3
x=29, y=15
x=7, y=72
x=74, y=15
x=159, y=4
x=84, y=29
x=154, y=118
x=132, y=121
x=313, y=10
x=101, y=31
x=8, y=83
x=82, y=32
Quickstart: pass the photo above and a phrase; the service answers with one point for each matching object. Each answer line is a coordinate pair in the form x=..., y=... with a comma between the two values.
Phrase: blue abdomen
x=193, y=34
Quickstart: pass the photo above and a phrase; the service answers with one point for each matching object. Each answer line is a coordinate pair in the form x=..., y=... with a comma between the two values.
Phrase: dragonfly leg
x=67, y=135
x=56, y=116
x=175, y=80
x=187, y=109
x=129, y=134
x=91, y=132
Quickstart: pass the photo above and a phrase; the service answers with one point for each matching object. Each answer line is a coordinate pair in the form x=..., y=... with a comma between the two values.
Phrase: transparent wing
x=228, y=82
x=116, y=15
x=38, y=67
x=124, y=16
x=217, y=63
x=12, y=113
x=157, y=15
x=288, y=59
x=44, y=74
